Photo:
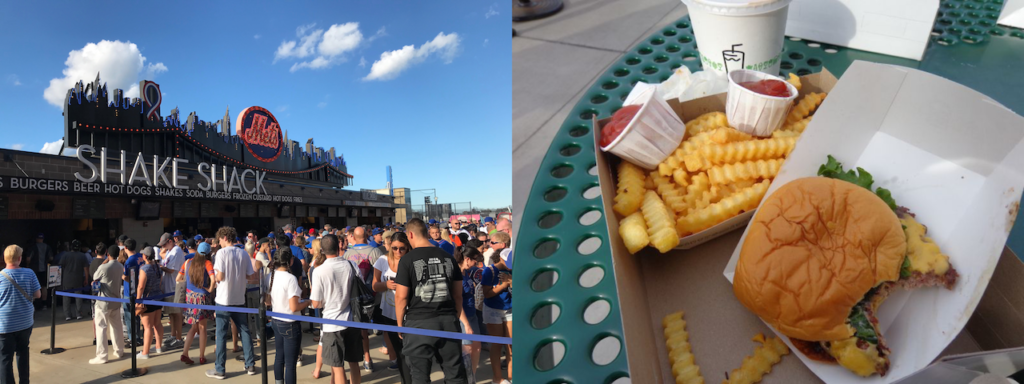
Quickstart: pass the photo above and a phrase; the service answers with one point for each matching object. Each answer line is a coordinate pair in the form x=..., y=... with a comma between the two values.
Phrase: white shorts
x=496, y=316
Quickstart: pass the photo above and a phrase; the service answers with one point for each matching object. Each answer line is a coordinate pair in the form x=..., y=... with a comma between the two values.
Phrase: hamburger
x=823, y=253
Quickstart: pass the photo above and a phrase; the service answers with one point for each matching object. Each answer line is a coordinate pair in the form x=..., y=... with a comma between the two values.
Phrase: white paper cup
x=752, y=112
x=739, y=34
x=653, y=134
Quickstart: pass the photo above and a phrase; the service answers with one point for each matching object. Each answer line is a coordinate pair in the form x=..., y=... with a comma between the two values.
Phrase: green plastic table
x=565, y=264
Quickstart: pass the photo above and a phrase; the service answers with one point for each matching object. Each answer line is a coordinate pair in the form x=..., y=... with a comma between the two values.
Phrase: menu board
x=265, y=210
x=208, y=210
x=88, y=208
x=3, y=207
x=247, y=210
x=301, y=211
x=332, y=211
x=184, y=209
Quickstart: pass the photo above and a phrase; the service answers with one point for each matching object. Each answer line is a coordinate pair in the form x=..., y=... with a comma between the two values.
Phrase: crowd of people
x=453, y=277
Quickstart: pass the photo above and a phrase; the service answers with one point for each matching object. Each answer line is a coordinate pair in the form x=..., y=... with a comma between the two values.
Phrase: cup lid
x=738, y=7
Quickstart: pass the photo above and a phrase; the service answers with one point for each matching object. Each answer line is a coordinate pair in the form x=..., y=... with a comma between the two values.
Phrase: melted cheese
x=924, y=254
x=863, y=362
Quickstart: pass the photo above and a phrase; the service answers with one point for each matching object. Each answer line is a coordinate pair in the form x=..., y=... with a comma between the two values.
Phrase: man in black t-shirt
x=429, y=296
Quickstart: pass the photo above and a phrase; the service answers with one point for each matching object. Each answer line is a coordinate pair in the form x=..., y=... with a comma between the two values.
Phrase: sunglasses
x=496, y=242
x=396, y=249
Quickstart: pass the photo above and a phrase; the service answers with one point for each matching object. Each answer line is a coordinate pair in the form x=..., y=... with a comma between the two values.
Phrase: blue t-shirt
x=189, y=256
x=447, y=247
x=470, y=277
x=373, y=243
x=132, y=264
x=15, y=310
x=502, y=300
x=297, y=252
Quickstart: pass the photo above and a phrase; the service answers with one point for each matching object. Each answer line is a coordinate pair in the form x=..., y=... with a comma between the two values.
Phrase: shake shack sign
x=162, y=179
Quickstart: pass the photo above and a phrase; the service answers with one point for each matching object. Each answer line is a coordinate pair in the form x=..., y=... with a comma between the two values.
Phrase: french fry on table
x=754, y=367
x=680, y=355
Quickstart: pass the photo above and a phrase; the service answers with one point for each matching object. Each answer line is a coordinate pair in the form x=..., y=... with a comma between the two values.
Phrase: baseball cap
x=312, y=231
x=204, y=248
x=122, y=238
x=163, y=239
x=300, y=229
x=177, y=234
x=39, y=236
x=432, y=222
x=488, y=219
x=271, y=235
x=506, y=256
x=377, y=231
x=148, y=251
x=323, y=233
x=198, y=238
x=191, y=244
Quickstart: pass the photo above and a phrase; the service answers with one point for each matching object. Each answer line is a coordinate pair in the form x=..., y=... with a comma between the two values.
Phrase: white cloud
x=317, y=63
x=493, y=11
x=486, y=41
x=301, y=30
x=340, y=38
x=17, y=147
x=321, y=104
x=329, y=47
x=52, y=148
x=120, y=65
x=14, y=80
x=305, y=47
x=391, y=63
x=380, y=33
x=362, y=62
x=256, y=37
x=282, y=109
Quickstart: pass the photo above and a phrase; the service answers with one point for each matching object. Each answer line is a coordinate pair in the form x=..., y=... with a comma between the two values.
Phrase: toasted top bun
x=814, y=248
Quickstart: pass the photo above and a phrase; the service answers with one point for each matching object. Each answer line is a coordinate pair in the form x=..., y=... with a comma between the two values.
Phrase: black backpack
x=361, y=297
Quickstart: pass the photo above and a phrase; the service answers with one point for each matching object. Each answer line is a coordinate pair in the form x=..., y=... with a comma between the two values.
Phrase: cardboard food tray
x=819, y=82
x=651, y=285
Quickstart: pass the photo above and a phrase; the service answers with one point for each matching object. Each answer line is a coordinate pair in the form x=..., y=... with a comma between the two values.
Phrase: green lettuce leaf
x=834, y=169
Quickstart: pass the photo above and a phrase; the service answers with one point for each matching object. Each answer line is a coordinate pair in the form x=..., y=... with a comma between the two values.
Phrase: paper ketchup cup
x=739, y=34
x=653, y=134
x=752, y=112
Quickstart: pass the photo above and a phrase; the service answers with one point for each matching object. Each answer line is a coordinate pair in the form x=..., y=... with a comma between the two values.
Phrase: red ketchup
x=774, y=88
x=620, y=120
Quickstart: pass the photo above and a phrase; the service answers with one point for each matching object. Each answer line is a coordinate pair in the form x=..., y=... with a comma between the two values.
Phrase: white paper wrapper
x=653, y=134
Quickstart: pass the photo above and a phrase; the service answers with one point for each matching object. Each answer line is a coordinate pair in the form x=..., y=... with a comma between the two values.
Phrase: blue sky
x=424, y=88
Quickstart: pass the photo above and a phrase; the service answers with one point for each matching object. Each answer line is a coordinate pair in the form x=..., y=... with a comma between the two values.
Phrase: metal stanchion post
x=262, y=318
x=135, y=371
x=53, y=325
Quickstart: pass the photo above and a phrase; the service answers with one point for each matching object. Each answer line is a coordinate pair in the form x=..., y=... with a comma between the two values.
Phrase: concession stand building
x=125, y=168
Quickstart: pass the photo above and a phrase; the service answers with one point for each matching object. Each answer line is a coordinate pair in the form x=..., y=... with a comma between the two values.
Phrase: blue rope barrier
x=308, y=319
x=392, y=328
x=90, y=297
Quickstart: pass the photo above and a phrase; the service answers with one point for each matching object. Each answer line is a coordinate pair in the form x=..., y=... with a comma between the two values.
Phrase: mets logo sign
x=260, y=132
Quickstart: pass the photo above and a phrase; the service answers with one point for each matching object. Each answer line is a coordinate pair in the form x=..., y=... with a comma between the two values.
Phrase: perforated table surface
x=572, y=331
